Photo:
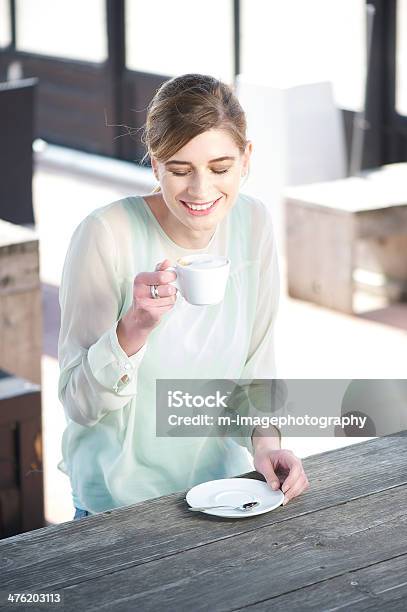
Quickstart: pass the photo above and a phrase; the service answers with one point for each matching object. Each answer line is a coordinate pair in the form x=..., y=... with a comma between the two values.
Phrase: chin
x=203, y=224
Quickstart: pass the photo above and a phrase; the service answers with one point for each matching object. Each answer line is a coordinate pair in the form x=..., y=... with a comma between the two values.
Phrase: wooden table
x=21, y=467
x=348, y=237
x=341, y=545
x=20, y=302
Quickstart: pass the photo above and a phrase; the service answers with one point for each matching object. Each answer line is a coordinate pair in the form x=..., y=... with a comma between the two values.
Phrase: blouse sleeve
x=260, y=363
x=96, y=375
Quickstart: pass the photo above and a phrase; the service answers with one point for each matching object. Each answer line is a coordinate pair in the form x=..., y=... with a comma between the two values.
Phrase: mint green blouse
x=109, y=448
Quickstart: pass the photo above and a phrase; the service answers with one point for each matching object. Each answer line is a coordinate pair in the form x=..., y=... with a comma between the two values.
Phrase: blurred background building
x=324, y=86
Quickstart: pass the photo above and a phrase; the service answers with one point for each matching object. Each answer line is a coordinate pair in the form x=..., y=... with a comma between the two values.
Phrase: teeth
x=200, y=206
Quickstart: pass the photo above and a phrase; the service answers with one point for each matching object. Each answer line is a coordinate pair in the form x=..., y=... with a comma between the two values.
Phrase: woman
x=124, y=326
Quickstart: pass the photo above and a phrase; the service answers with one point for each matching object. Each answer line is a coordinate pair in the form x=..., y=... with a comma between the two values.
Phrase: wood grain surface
x=342, y=544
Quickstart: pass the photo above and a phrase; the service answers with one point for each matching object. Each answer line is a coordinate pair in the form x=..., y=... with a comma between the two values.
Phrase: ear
x=246, y=157
x=154, y=166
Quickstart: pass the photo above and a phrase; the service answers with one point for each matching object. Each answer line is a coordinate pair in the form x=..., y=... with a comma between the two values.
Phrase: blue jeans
x=79, y=513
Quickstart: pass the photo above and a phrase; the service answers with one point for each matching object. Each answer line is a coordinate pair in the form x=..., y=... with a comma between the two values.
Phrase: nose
x=200, y=187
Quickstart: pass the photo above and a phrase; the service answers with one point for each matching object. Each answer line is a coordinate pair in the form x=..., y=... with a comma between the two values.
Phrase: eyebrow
x=186, y=163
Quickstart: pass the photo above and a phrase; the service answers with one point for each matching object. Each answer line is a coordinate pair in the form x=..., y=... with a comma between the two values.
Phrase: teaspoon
x=244, y=507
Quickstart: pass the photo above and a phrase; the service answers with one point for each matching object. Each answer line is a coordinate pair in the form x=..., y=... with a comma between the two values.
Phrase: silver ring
x=154, y=291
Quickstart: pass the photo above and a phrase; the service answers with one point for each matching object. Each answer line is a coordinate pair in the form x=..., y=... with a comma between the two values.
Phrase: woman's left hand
x=280, y=466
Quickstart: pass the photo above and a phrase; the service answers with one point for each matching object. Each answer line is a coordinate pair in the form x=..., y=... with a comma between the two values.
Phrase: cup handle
x=174, y=282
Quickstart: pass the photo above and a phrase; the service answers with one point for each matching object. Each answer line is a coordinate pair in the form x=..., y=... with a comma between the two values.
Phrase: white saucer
x=234, y=492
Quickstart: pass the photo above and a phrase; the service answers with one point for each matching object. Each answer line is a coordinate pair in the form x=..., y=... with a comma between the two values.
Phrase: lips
x=201, y=208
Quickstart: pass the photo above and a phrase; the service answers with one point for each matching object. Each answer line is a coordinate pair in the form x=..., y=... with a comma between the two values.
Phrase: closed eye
x=186, y=173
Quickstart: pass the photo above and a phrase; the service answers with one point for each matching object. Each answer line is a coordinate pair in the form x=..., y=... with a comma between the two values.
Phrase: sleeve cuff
x=111, y=366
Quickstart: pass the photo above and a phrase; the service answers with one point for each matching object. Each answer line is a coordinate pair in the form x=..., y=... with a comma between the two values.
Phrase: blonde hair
x=186, y=106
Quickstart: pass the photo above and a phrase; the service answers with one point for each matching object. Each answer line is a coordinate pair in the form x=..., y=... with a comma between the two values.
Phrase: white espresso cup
x=202, y=278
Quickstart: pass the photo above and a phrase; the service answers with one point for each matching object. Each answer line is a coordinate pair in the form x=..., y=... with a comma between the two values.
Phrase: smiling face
x=200, y=183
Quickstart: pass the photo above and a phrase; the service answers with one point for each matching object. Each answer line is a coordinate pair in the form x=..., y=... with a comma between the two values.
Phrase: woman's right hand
x=146, y=312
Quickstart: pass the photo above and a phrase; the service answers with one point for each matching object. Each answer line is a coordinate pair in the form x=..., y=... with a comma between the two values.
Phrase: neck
x=192, y=239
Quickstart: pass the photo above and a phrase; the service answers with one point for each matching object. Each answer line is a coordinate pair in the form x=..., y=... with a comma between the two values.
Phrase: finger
x=266, y=468
x=161, y=277
x=301, y=486
x=163, y=264
x=296, y=472
x=149, y=303
x=156, y=313
x=144, y=291
x=161, y=309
